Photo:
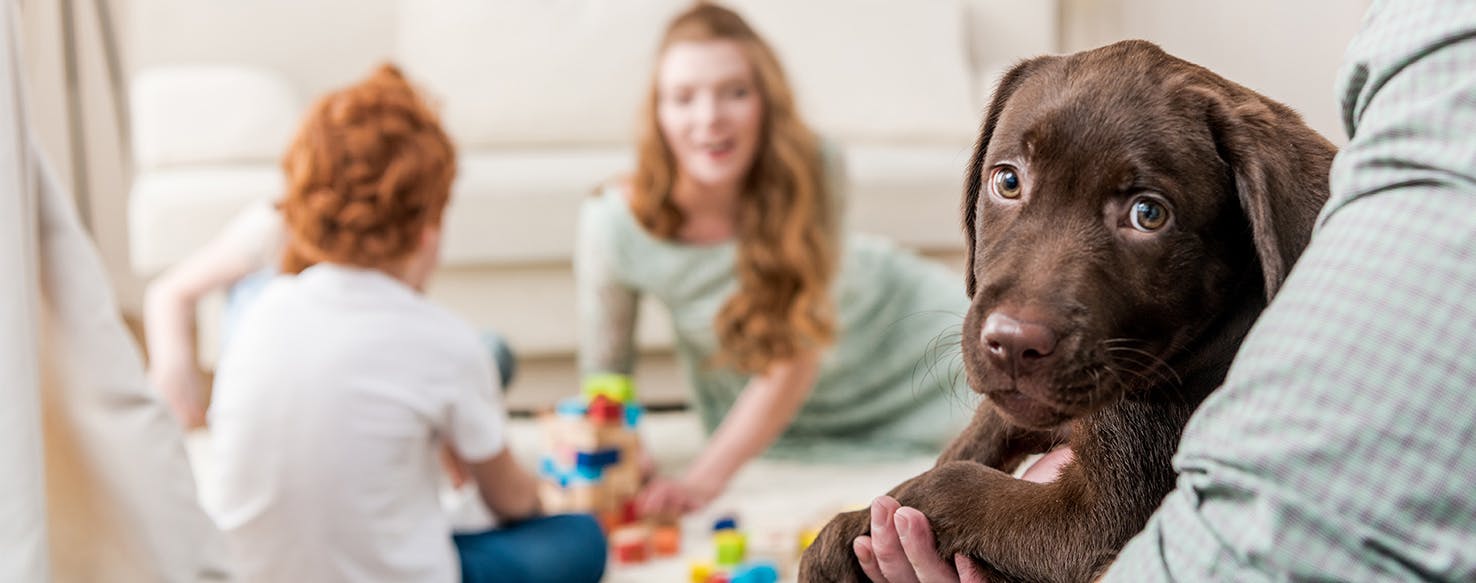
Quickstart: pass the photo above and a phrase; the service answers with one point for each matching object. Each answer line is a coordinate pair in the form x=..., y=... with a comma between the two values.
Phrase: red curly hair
x=368, y=171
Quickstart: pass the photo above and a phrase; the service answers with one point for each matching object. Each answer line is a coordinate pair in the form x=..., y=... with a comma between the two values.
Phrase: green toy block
x=616, y=387
x=730, y=547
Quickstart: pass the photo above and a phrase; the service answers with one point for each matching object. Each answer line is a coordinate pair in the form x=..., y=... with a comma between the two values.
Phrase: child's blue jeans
x=566, y=548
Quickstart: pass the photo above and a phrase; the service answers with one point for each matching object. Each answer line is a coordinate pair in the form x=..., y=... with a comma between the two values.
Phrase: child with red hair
x=343, y=382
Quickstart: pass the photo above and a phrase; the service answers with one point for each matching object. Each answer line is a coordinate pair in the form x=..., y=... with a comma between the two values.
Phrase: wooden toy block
x=631, y=544
x=756, y=572
x=616, y=387
x=666, y=541
x=699, y=571
x=597, y=459
x=807, y=538
x=725, y=522
x=581, y=435
x=730, y=547
x=602, y=410
x=623, y=479
x=574, y=408
x=718, y=577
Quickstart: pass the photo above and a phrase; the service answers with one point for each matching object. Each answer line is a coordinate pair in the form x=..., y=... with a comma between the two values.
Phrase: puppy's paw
x=831, y=557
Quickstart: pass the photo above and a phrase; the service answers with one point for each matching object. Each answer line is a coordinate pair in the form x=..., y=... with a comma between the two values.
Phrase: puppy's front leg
x=1015, y=529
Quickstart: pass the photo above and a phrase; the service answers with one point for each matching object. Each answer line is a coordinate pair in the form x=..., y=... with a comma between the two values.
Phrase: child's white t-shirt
x=328, y=410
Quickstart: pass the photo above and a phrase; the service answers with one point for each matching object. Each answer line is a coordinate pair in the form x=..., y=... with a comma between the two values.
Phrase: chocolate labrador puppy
x=1128, y=216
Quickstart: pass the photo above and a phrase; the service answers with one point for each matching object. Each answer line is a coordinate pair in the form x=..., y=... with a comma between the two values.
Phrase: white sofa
x=541, y=97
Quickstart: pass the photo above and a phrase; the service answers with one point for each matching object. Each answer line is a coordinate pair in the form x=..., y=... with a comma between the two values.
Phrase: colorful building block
x=666, y=541
x=757, y=572
x=631, y=544
x=699, y=571
x=615, y=387
x=730, y=547
x=727, y=522
x=596, y=459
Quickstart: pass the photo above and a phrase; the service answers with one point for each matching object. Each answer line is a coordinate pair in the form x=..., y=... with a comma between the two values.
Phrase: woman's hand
x=668, y=498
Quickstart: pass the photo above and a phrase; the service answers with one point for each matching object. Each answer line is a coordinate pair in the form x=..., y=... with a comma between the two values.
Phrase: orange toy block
x=666, y=541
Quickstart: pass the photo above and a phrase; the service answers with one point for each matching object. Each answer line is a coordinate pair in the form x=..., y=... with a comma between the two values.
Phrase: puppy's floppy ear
x=974, y=175
x=1280, y=166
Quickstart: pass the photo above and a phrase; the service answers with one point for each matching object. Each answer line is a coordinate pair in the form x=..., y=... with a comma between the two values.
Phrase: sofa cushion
x=521, y=206
x=507, y=207
x=204, y=114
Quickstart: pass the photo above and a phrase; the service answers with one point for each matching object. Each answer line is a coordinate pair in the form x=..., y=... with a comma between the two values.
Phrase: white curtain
x=101, y=490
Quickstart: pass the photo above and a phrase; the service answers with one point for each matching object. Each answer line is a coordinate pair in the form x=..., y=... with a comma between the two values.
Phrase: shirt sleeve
x=607, y=306
x=476, y=423
x=1339, y=446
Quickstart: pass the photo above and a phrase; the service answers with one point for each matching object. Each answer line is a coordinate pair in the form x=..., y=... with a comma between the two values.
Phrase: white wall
x=1288, y=50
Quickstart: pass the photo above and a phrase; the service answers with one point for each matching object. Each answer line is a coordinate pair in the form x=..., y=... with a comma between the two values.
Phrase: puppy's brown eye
x=1006, y=182
x=1148, y=215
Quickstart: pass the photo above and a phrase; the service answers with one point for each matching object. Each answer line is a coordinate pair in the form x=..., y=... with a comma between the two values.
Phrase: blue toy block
x=597, y=459
x=566, y=477
x=725, y=523
x=571, y=407
x=632, y=415
x=756, y=572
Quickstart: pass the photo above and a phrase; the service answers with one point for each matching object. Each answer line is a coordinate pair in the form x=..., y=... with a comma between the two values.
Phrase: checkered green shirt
x=1343, y=444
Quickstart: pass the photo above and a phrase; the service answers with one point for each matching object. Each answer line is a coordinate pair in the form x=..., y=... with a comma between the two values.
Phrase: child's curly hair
x=369, y=170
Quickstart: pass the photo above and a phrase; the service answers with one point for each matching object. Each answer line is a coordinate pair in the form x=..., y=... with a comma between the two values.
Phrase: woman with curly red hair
x=344, y=382
x=798, y=340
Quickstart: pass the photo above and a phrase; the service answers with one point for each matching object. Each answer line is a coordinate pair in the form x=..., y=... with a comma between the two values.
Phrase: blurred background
x=168, y=116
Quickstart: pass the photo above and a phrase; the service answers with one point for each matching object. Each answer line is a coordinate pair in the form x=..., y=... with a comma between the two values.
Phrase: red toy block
x=631, y=544
x=604, y=410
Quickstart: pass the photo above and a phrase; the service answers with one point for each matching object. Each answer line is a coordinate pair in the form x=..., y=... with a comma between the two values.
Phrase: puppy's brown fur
x=1084, y=328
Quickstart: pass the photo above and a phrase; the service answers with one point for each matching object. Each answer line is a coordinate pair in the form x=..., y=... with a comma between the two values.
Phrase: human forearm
x=169, y=324
x=509, y=491
x=762, y=412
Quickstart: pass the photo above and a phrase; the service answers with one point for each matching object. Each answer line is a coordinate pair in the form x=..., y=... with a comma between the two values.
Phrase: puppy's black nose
x=1015, y=345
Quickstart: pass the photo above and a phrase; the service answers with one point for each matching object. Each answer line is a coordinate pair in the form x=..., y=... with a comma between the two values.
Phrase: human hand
x=902, y=548
x=668, y=498
x=179, y=385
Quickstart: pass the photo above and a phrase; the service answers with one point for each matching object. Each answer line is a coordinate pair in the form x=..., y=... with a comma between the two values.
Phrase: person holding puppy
x=796, y=339
x=1339, y=446
x=343, y=384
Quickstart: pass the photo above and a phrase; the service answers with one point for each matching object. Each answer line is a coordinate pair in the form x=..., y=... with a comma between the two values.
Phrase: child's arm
x=509, y=491
x=170, y=303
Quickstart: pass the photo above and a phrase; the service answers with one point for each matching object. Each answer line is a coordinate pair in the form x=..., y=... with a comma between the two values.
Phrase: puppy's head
x=1119, y=202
